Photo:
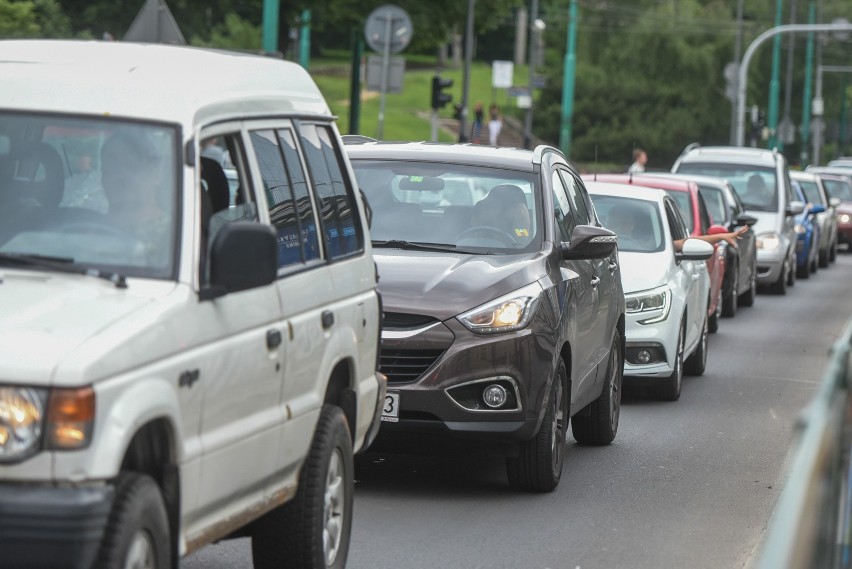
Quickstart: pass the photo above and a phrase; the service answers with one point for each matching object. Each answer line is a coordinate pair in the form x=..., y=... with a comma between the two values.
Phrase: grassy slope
x=401, y=109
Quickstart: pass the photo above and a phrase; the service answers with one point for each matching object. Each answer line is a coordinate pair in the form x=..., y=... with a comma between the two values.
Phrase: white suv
x=179, y=364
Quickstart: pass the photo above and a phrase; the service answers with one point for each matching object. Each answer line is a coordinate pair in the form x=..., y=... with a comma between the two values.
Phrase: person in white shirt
x=640, y=158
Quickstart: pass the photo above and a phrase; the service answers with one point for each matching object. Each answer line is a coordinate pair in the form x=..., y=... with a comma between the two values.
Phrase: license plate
x=390, y=412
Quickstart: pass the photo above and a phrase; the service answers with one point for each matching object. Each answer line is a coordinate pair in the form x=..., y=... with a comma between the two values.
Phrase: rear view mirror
x=795, y=208
x=421, y=184
x=695, y=250
x=745, y=219
x=589, y=242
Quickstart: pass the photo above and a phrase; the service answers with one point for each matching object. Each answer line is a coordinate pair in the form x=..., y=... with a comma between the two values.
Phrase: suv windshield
x=756, y=185
x=468, y=208
x=838, y=189
x=96, y=193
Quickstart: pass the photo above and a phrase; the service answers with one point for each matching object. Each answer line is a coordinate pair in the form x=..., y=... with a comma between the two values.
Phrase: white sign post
x=502, y=73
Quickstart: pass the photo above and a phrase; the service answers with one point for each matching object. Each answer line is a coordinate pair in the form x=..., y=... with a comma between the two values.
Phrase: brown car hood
x=444, y=285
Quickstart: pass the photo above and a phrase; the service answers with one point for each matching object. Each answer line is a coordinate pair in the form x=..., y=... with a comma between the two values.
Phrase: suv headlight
x=32, y=419
x=656, y=302
x=768, y=241
x=22, y=414
x=844, y=218
x=505, y=314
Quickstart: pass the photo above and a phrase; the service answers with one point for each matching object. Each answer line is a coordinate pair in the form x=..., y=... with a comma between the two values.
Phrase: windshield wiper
x=423, y=246
x=62, y=265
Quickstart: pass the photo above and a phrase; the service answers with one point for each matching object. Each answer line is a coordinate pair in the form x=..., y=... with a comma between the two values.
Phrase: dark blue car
x=807, y=230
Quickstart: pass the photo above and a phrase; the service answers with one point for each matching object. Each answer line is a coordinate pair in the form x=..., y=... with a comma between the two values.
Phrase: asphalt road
x=685, y=484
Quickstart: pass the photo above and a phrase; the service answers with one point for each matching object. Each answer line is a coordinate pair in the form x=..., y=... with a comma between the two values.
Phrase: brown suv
x=503, y=306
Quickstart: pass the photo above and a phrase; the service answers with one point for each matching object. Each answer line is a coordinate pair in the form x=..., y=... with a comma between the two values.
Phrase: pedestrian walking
x=478, y=118
x=640, y=158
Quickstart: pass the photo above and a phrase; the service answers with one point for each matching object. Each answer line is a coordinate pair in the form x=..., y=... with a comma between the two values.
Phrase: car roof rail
x=541, y=149
x=356, y=139
x=689, y=147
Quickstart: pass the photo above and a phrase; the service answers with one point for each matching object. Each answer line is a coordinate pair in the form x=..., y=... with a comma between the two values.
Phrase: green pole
x=806, y=97
x=270, y=25
x=775, y=83
x=841, y=139
x=305, y=40
x=568, y=82
x=355, y=83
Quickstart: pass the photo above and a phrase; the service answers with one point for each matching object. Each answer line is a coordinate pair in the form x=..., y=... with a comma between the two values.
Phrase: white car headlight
x=656, y=302
x=844, y=218
x=768, y=241
x=505, y=314
x=22, y=415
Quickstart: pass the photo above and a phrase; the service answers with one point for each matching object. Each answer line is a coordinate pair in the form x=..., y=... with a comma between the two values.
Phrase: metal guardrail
x=810, y=527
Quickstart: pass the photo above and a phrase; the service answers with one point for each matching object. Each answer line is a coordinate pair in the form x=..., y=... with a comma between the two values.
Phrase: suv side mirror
x=795, y=208
x=695, y=250
x=589, y=242
x=834, y=202
x=244, y=255
x=745, y=219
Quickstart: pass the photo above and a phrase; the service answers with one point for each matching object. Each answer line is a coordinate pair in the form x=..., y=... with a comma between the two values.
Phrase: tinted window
x=714, y=199
x=683, y=204
x=562, y=209
x=838, y=189
x=304, y=204
x=756, y=185
x=578, y=202
x=811, y=191
x=337, y=203
x=676, y=225
x=637, y=223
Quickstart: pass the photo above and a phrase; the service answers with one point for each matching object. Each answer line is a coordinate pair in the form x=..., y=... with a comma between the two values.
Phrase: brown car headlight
x=505, y=314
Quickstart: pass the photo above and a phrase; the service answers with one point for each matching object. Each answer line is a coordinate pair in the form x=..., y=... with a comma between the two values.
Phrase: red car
x=698, y=221
x=840, y=186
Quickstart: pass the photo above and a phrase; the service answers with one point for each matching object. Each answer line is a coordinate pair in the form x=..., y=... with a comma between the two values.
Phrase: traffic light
x=439, y=98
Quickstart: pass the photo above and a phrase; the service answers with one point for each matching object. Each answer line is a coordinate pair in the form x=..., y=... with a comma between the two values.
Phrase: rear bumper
x=44, y=527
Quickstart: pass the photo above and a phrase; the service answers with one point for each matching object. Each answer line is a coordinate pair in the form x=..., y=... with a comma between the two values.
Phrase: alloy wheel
x=334, y=510
x=140, y=554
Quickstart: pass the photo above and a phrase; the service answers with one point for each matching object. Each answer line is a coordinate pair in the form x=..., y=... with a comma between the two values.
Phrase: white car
x=666, y=292
x=176, y=367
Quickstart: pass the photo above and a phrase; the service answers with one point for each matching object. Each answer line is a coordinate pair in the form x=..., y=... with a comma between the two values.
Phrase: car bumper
x=844, y=234
x=770, y=265
x=382, y=381
x=658, y=339
x=52, y=528
x=446, y=399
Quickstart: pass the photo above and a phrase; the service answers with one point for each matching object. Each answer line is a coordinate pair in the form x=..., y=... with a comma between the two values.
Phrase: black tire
x=713, y=319
x=138, y=526
x=696, y=363
x=780, y=286
x=747, y=298
x=668, y=388
x=538, y=466
x=598, y=423
x=804, y=272
x=824, y=256
x=815, y=260
x=294, y=535
x=832, y=253
x=729, y=303
x=792, y=273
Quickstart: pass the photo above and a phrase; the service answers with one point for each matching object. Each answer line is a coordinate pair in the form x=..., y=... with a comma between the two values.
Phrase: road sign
x=396, y=71
x=388, y=25
x=517, y=92
x=786, y=131
x=502, y=73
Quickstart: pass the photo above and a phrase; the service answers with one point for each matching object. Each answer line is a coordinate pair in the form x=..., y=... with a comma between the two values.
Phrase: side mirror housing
x=795, y=208
x=244, y=255
x=834, y=202
x=589, y=242
x=745, y=219
x=816, y=208
x=695, y=250
x=716, y=230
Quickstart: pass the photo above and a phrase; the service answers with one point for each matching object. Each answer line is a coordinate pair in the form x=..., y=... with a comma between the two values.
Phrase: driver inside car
x=505, y=208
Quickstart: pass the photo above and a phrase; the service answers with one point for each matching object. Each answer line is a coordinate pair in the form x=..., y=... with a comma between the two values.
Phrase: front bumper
x=44, y=527
x=770, y=265
x=660, y=338
x=523, y=361
x=844, y=233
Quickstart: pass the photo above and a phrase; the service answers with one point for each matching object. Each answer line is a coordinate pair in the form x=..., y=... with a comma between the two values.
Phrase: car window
x=421, y=202
x=578, y=203
x=682, y=200
x=714, y=200
x=838, y=189
x=756, y=185
x=811, y=191
x=637, y=223
x=99, y=192
x=676, y=225
x=735, y=204
x=339, y=214
x=562, y=208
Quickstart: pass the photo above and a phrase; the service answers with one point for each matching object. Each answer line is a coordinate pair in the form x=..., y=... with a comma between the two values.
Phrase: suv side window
x=578, y=202
x=562, y=209
x=339, y=213
x=297, y=239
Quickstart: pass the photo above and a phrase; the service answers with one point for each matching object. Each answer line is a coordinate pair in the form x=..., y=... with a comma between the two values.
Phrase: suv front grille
x=403, y=321
x=405, y=366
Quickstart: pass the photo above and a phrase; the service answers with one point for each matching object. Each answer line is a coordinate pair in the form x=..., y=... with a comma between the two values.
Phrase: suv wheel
x=597, y=424
x=729, y=303
x=137, y=534
x=713, y=319
x=780, y=286
x=696, y=363
x=668, y=388
x=747, y=299
x=312, y=530
x=824, y=256
x=538, y=466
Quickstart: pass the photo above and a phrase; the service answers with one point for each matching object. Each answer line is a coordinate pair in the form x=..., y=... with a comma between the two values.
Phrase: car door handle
x=612, y=267
x=273, y=338
x=327, y=319
x=595, y=282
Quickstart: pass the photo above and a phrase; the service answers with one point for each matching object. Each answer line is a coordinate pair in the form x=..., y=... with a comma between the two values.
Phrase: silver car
x=816, y=194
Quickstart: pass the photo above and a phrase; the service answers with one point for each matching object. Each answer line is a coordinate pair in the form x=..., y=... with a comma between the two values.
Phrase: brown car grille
x=405, y=366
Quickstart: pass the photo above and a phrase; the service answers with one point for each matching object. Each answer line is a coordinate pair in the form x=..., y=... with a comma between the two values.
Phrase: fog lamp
x=494, y=396
x=643, y=357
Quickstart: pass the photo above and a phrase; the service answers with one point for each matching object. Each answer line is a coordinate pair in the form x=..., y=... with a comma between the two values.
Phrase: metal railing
x=810, y=527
